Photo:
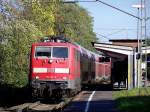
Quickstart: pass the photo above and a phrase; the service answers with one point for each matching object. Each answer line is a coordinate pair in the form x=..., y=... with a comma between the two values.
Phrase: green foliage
x=15, y=51
x=16, y=36
x=137, y=100
x=75, y=22
x=41, y=13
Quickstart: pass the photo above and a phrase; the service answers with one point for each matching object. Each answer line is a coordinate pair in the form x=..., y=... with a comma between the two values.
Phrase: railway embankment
x=20, y=100
x=135, y=100
x=11, y=96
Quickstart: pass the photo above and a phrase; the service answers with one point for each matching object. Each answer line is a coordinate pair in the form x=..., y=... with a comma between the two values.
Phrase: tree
x=40, y=13
x=75, y=22
x=16, y=36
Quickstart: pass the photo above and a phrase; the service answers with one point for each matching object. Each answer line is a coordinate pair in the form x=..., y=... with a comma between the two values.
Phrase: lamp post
x=138, y=6
x=138, y=54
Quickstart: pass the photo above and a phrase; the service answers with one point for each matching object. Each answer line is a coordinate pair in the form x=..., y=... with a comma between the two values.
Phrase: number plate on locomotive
x=51, y=70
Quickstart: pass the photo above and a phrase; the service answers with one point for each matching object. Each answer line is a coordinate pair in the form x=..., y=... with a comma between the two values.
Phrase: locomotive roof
x=83, y=50
x=53, y=43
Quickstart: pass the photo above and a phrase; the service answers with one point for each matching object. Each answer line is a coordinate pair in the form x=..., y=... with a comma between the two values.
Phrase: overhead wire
x=103, y=36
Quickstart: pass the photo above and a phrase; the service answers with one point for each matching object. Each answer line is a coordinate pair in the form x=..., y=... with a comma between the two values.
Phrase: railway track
x=41, y=106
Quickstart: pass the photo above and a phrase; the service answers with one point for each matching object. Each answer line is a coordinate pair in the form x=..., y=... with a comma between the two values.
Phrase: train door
x=77, y=69
x=84, y=68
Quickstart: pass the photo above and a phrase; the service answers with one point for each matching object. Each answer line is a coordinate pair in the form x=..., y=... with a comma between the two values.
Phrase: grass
x=135, y=100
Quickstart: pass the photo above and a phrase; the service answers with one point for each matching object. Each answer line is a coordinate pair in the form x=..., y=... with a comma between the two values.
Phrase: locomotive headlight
x=64, y=78
x=37, y=77
x=50, y=61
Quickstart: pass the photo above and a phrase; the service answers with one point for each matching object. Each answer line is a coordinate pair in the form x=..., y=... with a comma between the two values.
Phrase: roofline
x=124, y=40
x=108, y=44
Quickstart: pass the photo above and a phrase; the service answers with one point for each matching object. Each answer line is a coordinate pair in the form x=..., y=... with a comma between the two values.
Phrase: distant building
x=126, y=42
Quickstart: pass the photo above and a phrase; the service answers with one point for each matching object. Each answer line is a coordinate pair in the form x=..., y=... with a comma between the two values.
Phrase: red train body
x=59, y=67
x=103, y=70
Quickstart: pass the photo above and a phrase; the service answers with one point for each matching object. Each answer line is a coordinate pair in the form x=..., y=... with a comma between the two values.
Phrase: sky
x=110, y=23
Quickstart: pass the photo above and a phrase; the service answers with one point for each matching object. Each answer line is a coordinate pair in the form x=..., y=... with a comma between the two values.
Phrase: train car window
x=43, y=52
x=101, y=59
x=60, y=52
x=78, y=55
x=107, y=59
x=104, y=59
x=148, y=57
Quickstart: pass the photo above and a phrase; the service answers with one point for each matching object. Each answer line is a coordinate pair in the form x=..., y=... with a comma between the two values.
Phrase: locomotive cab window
x=43, y=52
x=60, y=52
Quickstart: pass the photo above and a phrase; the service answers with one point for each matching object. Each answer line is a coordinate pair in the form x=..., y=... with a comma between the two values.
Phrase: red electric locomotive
x=60, y=67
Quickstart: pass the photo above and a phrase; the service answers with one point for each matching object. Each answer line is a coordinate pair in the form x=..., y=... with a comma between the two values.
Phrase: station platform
x=126, y=60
